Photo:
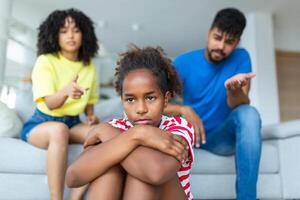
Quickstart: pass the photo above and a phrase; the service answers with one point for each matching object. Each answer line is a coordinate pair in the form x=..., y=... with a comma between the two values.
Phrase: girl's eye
x=130, y=100
x=151, y=98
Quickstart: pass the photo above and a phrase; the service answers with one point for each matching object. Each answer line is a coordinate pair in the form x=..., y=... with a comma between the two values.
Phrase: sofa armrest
x=281, y=130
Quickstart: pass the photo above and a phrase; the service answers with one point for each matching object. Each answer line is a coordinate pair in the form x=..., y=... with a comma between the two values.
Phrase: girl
x=64, y=85
x=145, y=155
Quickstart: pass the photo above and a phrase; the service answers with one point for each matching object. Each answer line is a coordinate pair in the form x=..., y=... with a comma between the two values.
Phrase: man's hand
x=191, y=116
x=238, y=81
x=92, y=120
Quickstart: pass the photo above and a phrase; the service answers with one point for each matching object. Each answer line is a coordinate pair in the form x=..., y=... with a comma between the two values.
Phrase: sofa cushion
x=208, y=163
x=18, y=156
x=10, y=124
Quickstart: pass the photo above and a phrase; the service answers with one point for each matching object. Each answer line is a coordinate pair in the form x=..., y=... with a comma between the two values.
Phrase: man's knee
x=247, y=115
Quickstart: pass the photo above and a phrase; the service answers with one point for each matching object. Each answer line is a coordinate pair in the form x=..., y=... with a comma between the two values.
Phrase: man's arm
x=238, y=88
x=191, y=116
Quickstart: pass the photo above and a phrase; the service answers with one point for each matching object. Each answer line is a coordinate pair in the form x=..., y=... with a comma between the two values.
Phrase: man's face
x=220, y=45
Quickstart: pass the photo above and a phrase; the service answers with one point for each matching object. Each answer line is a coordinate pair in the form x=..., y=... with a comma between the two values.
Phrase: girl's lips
x=143, y=122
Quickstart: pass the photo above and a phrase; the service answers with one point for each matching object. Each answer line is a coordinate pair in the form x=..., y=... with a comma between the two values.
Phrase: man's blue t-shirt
x=203, y=83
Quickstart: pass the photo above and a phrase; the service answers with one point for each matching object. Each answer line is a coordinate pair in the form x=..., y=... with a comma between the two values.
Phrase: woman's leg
x=78, y=134
x=108, y=186
x=53, y=136
x=173, y=190
x=134, y=189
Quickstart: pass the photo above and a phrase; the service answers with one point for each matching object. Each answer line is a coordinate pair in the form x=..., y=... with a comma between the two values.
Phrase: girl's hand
x=100, y=133
x=92, y=138
x=74, y=91
x=92, y=120
x=155, y=138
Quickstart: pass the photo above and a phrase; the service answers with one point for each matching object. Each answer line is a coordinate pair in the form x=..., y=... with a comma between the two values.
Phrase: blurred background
x=271, y=37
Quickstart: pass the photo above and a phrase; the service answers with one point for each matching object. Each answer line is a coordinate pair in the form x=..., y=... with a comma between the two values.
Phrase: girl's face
x=142, y=98
x=69, y=37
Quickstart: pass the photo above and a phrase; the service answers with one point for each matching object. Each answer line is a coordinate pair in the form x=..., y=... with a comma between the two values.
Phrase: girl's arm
x=116, y=147
x=157, y=164
x=150, y=165
x=93, y=162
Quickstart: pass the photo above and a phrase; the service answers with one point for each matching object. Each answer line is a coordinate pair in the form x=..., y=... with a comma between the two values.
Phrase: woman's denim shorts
x=40, y=117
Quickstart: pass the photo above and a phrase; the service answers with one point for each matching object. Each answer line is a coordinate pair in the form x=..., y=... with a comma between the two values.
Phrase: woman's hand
x=92, y=120
x=73, y=90
x=158, y=139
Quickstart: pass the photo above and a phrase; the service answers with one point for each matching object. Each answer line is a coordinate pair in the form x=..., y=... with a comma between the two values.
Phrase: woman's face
x=142, y=98
x=69, y=37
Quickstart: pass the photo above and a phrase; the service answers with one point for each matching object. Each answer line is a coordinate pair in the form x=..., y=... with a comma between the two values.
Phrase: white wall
x=287, y=31
x=258, y=39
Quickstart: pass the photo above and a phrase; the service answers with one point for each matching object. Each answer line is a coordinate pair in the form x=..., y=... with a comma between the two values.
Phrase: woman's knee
x=58, y=133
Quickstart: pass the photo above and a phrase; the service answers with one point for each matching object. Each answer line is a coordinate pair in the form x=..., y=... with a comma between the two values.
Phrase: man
x=216, y=83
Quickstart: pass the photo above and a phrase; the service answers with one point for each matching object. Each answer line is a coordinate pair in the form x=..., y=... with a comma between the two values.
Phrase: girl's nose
x=141, y=108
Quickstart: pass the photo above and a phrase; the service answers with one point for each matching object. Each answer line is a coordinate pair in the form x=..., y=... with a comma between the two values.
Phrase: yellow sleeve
x=94, y=93
x=43, y=80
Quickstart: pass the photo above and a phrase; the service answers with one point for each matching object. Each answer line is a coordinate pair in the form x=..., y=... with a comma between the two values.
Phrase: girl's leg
x=135, y=189
x=173, y=190
x=53, y=136
x=108, y=186
x=77, y=193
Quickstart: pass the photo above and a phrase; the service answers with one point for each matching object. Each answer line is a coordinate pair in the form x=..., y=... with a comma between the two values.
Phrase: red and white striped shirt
x=178, y=126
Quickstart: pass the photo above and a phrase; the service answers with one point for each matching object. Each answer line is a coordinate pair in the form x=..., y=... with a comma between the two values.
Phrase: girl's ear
x=167, y=98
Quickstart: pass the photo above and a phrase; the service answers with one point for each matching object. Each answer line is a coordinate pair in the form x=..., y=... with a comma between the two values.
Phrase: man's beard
x=210, y=57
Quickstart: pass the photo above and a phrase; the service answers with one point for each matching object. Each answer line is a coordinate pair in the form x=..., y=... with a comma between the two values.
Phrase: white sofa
x=22, y=166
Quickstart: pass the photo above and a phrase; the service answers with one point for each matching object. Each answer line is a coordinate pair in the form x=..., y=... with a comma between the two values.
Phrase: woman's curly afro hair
x=49, y=31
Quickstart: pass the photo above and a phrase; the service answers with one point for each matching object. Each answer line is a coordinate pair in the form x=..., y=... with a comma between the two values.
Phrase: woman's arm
x=73, y=90
x=91, y=119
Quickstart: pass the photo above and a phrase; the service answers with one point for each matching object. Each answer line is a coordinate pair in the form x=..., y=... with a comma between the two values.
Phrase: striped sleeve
x=179, y=126
x=120, y=124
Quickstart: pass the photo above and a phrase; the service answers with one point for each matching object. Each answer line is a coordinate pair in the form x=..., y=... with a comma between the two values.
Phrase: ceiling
x=175, y=25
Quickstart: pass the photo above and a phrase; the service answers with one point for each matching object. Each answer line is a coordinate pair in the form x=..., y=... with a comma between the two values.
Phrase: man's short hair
x=230, y=20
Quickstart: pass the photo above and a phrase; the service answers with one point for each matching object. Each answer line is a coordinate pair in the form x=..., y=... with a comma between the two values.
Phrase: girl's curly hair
x=154, y=60
x=49, y=31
